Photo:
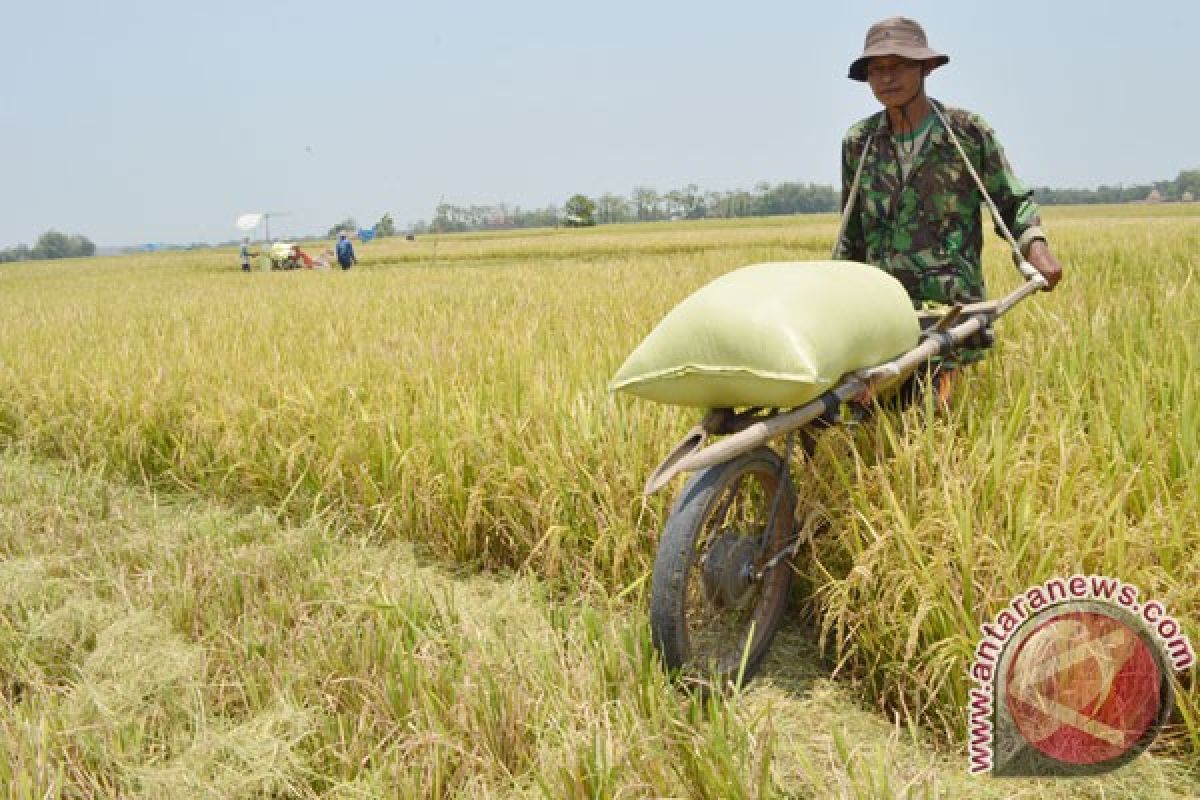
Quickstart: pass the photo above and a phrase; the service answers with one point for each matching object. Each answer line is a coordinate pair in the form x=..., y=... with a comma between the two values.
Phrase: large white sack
x=774, y=335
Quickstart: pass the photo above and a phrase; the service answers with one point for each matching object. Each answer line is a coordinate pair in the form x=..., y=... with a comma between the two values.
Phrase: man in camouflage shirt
x=916, y=214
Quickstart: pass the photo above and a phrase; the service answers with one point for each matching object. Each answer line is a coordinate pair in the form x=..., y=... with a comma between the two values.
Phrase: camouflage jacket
x=927, y=231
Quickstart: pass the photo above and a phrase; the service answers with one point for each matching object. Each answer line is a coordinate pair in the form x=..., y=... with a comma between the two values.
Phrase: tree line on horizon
x=645, y=204
x=1184, y=188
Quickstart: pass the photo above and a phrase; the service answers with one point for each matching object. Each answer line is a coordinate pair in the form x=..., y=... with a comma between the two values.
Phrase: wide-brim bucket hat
x=895, y=36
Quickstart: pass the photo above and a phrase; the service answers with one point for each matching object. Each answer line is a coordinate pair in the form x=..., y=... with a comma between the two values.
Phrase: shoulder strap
x=845, y=220
x=1024, y=266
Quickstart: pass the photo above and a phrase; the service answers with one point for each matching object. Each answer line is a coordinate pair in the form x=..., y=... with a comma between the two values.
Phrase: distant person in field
x=244, y=254
x=300, y=257
x=345, y=252
x=916, y=212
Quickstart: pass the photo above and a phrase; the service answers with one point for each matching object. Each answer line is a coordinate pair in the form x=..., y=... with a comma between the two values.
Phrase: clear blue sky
x=160, y=121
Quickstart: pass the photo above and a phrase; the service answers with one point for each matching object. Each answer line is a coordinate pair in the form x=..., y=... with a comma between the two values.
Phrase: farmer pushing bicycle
x=779, y=351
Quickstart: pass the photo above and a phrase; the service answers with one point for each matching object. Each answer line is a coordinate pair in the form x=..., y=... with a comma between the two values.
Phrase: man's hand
x=1044, y=262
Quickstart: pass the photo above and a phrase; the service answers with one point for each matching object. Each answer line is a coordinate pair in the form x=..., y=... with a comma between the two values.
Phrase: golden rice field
x=380, y=533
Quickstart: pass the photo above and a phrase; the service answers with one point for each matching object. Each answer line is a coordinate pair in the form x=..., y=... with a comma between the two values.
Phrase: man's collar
x=936, y=132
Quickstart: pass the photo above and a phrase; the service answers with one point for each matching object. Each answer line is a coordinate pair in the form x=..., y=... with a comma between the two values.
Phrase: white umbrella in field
x=248, y=222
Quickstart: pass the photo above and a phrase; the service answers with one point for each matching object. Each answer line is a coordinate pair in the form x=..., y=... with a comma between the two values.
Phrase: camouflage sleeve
x=852, y=246
x=1012, y=197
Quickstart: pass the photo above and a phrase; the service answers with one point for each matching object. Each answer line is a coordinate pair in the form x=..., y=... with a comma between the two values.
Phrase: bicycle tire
x=743, y=592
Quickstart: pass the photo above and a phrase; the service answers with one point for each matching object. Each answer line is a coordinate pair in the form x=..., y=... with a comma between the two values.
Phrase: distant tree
x=692, y=202
x=580, y=211
x=612, y=208
x=741, y=203
x=52, y=244
x=646, y=203
x=18, y=253
x=761, y=205
x=385, y=226
x=715, y=205
x=82, y=246
x=447, y=219
x=1188, y=181
x=675, y=203
x=348, y=225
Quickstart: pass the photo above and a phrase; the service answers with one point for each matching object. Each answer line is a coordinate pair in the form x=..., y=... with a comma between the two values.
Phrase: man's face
x=894, y=80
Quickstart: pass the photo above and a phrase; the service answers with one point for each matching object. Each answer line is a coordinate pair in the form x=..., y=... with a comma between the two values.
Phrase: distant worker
x=300, y=257
x=287, y=256
x=916, y=208
x=345, y=252
x=244, y=254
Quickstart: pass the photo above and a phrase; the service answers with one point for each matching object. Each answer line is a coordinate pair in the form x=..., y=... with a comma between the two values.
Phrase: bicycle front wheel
x=721, y=576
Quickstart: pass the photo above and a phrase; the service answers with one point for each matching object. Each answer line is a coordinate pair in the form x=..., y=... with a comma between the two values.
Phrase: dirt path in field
x=65, y=536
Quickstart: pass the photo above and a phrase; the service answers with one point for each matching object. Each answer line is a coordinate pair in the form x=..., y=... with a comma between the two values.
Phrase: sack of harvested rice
x=774, y=335
x=281, y=250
